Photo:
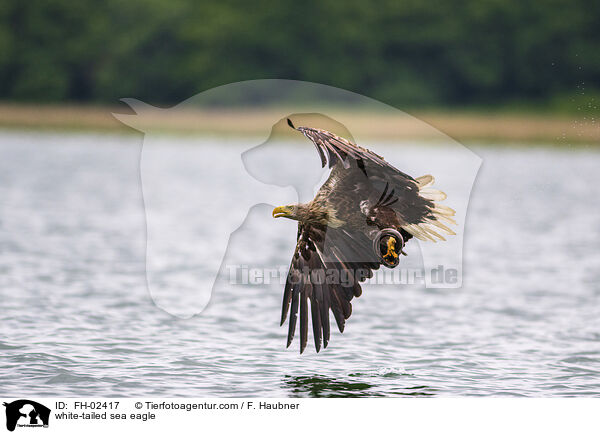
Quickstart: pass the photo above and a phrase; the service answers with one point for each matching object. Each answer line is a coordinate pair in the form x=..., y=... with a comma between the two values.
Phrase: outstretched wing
x=389, y=195
x=327, y=274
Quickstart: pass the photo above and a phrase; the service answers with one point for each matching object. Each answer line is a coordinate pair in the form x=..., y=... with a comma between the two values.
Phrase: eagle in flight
x=360, y=219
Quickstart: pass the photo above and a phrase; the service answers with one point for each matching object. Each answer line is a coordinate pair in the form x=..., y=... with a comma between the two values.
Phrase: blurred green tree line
x=407, y=53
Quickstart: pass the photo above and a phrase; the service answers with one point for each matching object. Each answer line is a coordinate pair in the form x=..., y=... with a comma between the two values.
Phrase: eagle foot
x=388, y=245
x=391, y=249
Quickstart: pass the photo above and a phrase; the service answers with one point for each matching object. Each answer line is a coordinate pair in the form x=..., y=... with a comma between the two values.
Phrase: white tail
x=429, y=229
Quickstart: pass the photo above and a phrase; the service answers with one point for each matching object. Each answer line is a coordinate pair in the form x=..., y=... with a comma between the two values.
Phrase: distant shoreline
x=461, y=125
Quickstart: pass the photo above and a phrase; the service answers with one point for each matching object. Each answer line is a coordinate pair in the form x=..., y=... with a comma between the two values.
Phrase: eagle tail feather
x=429, y=229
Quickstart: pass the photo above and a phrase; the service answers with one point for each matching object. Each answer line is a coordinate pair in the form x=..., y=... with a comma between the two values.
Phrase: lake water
x=77, y=318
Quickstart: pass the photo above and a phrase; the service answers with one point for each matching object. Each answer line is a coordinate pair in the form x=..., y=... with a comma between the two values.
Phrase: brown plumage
x=334, y=253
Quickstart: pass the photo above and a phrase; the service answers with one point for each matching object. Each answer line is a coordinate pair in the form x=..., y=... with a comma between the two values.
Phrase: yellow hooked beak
x=281, y=211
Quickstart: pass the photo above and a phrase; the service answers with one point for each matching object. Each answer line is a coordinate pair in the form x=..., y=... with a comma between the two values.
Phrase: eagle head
x=288, y=211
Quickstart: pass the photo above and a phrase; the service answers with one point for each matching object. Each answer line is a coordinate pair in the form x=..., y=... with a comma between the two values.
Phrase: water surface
x=77, y=318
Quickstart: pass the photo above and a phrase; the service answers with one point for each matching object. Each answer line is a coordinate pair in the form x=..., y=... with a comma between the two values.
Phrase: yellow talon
x=391, y=246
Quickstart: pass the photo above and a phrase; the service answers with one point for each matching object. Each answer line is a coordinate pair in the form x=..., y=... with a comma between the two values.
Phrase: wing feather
x=332, y=251
x=316, y=320
x=287, y=297
x=304, y=316
x=413, y=201
x=293, y=314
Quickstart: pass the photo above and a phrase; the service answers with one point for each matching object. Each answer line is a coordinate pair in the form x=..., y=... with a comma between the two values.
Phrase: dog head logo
x=26, y=413
x=200, y=192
